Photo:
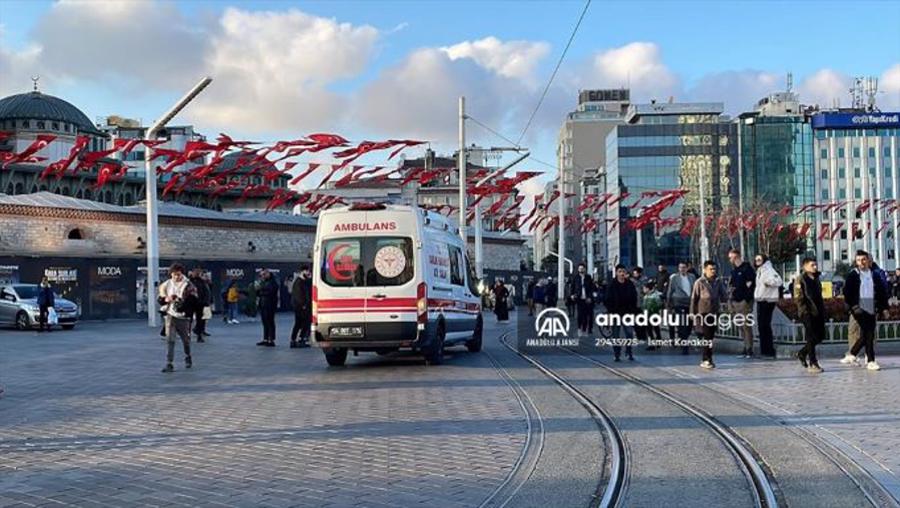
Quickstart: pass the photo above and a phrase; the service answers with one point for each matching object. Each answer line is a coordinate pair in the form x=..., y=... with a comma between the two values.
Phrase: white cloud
x=511, y=59
x=739, y=90
x=638, y=66
x=824, y=87
x=17, y=68
x=419, y=96
x=144, y=44
x=272, y=69
x=890, y=85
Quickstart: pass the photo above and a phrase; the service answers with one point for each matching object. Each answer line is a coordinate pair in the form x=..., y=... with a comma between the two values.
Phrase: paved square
x=88, y=419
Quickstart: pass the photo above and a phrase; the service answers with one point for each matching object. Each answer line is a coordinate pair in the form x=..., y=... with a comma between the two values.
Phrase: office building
x=665, y=147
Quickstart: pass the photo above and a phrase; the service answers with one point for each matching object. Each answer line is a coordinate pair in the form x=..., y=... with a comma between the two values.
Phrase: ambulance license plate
x=346, y=331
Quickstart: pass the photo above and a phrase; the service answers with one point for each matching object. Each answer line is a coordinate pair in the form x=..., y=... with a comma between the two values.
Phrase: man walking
x=267, y=295
x=179, y=300
x=768, y=287
x=678, y=300
x=707, y=298
x=866, y=296
x=203, y=299
x=621, y=300
x=46, y=301
x=742, y=286
x=583, y=296
x=301, y=301
x=811, y=310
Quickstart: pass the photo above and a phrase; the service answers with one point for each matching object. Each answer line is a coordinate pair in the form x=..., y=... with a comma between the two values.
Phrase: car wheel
x=336, y=357
x=22, y=322
x=68, y=327
x=434, y=353
x=474, y=345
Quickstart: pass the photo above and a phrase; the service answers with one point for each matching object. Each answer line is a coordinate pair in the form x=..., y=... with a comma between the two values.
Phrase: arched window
x=107, y=197
x=88, y=194
x=66, y=191
x=129, y=200
x=75, y=234
x=20, y=188
x=43, y=188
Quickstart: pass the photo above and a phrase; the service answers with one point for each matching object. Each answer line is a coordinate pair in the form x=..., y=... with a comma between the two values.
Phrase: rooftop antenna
x=856, y=93
x=34, y=79
x=790, y=82
x=871, y=90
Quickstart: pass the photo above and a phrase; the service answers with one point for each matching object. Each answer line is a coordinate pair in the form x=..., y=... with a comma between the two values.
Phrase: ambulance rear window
x=367, y=261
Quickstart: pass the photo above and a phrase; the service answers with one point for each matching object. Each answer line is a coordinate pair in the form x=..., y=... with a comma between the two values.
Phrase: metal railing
x=835, y=332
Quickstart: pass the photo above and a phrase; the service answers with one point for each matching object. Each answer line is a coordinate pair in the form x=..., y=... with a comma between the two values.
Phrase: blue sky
x=377, y=69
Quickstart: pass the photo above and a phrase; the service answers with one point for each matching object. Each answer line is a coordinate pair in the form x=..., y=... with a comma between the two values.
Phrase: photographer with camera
x=178, y=299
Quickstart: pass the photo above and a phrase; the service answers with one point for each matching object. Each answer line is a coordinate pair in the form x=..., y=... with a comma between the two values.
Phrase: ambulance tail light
x=422, y=303
x=315, y=305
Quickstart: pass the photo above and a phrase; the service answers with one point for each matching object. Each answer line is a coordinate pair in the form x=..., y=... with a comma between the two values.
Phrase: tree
x=783, y=247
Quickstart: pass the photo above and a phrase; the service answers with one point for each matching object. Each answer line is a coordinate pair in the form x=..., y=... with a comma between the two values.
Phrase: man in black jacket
x=582, y=293
x=203, y=299
x=267, y=294
x=621, y=300
x=742, y=286
x=866, y=295
x=811, y=310
x=301, y=301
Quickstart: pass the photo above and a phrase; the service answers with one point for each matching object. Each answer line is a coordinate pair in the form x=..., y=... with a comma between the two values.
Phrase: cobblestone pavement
x=89, y=420
x=855, y=410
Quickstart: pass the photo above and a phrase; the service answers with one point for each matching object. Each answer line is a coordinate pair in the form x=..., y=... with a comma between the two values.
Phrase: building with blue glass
x=776, y=165
x=856, y=161
x=664, y=147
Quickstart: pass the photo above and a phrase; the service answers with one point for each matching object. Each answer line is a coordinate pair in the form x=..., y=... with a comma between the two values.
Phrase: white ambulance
x=390, y=277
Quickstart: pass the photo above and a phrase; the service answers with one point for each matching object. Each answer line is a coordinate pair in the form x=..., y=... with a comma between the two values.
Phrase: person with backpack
x=866, y=295
x=178, y=299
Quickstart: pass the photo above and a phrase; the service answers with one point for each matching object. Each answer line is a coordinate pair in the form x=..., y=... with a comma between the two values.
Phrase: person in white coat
x=768, y=285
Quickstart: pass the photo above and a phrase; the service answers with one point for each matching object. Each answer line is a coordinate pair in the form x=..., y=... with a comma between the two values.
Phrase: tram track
x=610, y=490
x=762, y=485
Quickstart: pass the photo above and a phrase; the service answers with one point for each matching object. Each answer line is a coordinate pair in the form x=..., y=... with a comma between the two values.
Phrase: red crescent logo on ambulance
x=341, y=268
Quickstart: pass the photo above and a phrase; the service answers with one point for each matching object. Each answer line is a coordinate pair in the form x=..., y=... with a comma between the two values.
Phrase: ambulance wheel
x=474, y=345
x=336, y=357
x=434, y=353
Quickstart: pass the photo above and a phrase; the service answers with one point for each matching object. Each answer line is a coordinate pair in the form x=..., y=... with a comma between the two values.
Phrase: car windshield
x=26, y=292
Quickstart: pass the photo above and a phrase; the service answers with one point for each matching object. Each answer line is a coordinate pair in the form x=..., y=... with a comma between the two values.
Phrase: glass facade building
x=666, y=147
x=777, y=168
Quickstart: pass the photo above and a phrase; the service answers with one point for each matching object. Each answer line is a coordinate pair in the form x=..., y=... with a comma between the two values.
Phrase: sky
x=377, y=70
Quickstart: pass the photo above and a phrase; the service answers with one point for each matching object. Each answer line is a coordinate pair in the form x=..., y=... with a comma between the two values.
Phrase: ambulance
x=392, y=277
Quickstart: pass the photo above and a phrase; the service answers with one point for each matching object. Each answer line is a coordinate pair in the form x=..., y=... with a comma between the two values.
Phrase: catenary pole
x=151, y=204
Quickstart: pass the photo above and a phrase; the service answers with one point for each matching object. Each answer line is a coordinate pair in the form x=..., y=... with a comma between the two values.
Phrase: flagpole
x=461, y=163
x=150, y=182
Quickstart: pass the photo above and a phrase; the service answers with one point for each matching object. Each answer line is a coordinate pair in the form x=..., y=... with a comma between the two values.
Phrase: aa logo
x=551, y=322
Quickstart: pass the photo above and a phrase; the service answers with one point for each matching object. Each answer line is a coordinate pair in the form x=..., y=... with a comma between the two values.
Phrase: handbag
x=52, y=316
x=207, y=312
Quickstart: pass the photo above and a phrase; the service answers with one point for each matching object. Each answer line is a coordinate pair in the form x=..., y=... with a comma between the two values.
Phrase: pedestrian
x=570, y=303
x=662, y=279
x=692, y=270
x=811, y=311
x=267, y=296
x=45, y=302
x=652, y=304
x=540, y=298
x=637, y=278
x=865, y=293
x=529, y=296
x=768, y=289
x=284, y=294
x=621, y=300
x=895, y=285
x=301, y=302
x=550, y=293
x=742, y=285
x=707, y=298
x=678, y=301
x=178, y=299
x=500, y=300
x=582, y=297
x=203, y=300
x=231, y=297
